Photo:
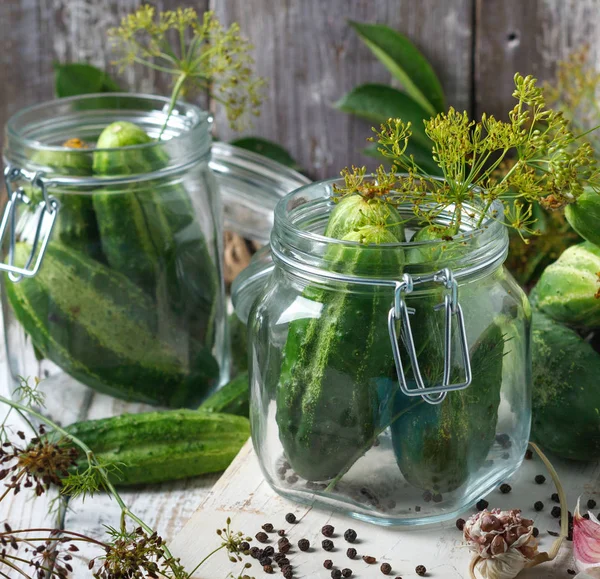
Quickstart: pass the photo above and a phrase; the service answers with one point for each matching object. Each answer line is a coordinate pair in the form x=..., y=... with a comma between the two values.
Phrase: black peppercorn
x=571, y=572
x=420, y=570
x=303, y=544
x=254, y=552
x=327, y=531
x=528, y=454
x=268, y=551
x=288, y=572
x=535, y=531
x=281, y=532
x=538, y=506
x=460, y=524
x=268, y=569
x=437, y=498
x=281, y=470
x=482, y=505
x=540, y=479
x=505, y=488
x=293, y=479
x=427, y=496
x=284, y=548
x=586, y=516
x=553, y=533
x=290, y=518
x=417, y=509
x=328, y=563
x=386, y=568
x=555, y=497
x=555, y=512
x=346, y=572
x=327, y=545
x=503, y=440
x=244, y=546
x=350, y=535
x=284, y=562
x=368, y=559
x=591, y=504
x=278, y=557
x=265, y=561
x=268, y=527
x=336, y=574
x=351, y=553
x=262, y=537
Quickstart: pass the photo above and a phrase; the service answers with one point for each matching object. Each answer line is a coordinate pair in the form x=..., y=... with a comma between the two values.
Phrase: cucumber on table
x=233, y=398
x=103, y=330
x=155, y=447
x=327, y=396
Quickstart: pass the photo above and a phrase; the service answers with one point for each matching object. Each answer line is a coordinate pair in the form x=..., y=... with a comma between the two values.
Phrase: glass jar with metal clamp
x=388, y=381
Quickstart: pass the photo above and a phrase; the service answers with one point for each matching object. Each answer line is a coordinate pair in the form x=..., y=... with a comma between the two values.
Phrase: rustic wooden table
x=188, y=513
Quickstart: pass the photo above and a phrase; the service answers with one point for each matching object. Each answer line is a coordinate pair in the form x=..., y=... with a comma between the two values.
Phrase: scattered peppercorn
x=417, y=509
x=303, y=544
x=254, y=552
x=538, y=506
x=268, y=551
x=262, y=537
x=327, y=545
x=285, y=548
x=555, y=497
x=327, y=531
x=427, y=496
x=528, y=454
x=328, y=563
x=535, y=532
x=505, y=488
x=268, y=569
x=586, y=516
x=553, y=533
x=265, y=561
x=281, y=470
x=268, y=527
x=278, y=557
x=286, y=465
x=290, y=518
x=482, y=505
x=287, y=572
x=460, y=524
x=503, y=440
x=555, y=512
x=386, y=568
x=368, y=559
x=540, y=479
x=420, y=570
x=346, y=572
x=350, y=535
x=336, y=574
x=391, y=504
x=505, y=455
x=281, y=532
x=571, y=572
x=351, y=553
x=292, y=479
x=437, y=498
x=591, y=504
x=244, y=546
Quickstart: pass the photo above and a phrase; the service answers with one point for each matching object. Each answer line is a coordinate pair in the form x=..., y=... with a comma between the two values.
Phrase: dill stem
x=206, y=559
x=176, y=90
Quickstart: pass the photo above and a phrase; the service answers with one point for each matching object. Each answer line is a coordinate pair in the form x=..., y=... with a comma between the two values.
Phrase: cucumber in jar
x=327, y=399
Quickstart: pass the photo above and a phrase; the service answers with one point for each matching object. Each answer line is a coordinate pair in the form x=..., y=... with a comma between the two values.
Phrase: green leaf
x=77, y=78
x=421, y=155
x=378, y=103
x=267, y=149
x=406, y=63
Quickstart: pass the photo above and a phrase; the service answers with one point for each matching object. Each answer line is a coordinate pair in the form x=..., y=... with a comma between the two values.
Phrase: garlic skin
x=586, y=542
x=502, y=542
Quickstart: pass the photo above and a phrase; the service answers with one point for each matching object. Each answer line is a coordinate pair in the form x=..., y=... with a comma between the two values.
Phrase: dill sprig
x=198, y=52
x=551, y=167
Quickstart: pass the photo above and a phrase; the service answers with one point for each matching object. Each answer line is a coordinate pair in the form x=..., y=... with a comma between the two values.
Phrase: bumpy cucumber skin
x=567, y=290
x=103, y=330
x=565, y=388
x=151, y=234
x=155, y=447
x=438, y=446
x=327, y=399
x=233, y=398
x=584, y=216
x=353, y=212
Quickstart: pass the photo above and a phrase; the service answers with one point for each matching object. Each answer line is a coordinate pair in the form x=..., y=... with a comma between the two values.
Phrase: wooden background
x=312, y=57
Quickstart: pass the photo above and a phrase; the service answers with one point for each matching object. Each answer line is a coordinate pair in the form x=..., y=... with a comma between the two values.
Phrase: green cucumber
x=438, y=446
x=155, y=447
x=584, y=216
x=233, y=398
x=566, y=393
x=150, y=233
x=327, y=399
x=104, y=331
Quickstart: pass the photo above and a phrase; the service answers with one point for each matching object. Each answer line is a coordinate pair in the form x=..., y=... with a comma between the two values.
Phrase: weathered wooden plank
x=527, y=37
x=312, y=57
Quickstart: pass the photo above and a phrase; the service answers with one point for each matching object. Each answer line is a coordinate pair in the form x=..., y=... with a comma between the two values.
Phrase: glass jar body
x=330, y=423
x=129, y=298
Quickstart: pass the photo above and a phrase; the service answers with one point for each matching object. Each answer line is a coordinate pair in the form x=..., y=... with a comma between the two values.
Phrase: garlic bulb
x=586, y=541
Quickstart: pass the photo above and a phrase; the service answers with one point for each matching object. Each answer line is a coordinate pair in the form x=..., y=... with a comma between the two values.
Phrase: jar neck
x=298, y=245
x=35, y=136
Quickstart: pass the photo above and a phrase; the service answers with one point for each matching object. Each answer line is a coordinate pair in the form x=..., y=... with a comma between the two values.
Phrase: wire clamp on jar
x=401, y=312
x=48, y=211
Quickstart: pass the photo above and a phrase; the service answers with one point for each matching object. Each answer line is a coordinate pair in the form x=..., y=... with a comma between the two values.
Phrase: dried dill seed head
x=328, y=563
x=327, y=545
x=386, y=568
x=328, y=531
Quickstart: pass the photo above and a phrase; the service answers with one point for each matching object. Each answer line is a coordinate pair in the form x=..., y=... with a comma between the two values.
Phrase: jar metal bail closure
x=48, y=209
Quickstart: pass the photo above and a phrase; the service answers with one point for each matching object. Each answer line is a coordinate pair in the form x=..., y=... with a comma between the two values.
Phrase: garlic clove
x=586, y=541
